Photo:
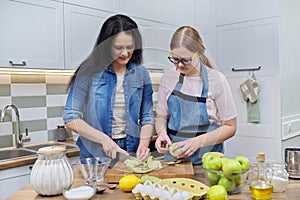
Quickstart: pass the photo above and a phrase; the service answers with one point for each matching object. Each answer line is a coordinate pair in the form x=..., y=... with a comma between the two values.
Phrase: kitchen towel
x=250, y=90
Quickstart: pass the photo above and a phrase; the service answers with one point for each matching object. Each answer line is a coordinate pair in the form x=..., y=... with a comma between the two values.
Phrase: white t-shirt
x=119, y=123
x=220, y=105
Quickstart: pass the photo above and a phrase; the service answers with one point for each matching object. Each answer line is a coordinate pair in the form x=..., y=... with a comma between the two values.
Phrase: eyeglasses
x=184, y=61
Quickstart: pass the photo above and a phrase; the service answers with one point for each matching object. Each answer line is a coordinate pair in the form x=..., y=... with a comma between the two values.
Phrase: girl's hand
x=143, y=153
x=188, y=147
x=162, y=143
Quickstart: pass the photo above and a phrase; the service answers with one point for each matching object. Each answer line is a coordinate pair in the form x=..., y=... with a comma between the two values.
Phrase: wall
x=289, y=48
x=40, y=100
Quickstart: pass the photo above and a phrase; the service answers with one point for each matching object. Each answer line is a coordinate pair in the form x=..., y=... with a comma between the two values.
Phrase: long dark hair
x=100, y=57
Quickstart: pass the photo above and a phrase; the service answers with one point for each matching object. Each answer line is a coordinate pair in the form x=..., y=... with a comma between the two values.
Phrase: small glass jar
x=51, y=172
x=61, y=133
x=280, y=177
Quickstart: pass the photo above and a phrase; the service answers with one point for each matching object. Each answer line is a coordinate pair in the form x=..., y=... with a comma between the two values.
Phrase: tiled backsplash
x=40, y=100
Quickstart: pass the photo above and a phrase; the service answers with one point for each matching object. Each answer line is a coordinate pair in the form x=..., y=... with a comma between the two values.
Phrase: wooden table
x=27, y=192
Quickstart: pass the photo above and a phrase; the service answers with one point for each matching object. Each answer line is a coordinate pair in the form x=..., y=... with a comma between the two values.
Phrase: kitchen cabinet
x=107, y=5
x=31, y=34
x=251, y=44
x=263, y=34
x=234, y=11
x=155, y=51
x=140, y=9
x=82, y=26
x=178, y=12
x=13, y=179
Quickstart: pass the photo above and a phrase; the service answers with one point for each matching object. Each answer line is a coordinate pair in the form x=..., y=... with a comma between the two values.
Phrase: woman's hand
x=111, y=148
x=162, y=143
x=143, y=153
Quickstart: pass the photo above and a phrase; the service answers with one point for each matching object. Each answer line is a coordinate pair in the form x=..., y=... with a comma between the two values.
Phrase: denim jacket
x=95, y=95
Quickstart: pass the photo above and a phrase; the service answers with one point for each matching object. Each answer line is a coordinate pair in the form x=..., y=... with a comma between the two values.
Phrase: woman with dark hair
x=195, y=105
x=109, y=102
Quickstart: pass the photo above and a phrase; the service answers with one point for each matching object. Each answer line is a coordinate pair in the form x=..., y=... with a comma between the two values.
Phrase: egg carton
x=171, y=189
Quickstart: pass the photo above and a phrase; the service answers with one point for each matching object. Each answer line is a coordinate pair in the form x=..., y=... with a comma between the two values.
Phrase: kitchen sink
x=36, y=147
x=30, y=150
x=15, y=153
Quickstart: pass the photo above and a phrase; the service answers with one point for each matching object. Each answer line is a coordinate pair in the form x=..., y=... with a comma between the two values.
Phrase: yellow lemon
x=217, y=192
x=128, y=182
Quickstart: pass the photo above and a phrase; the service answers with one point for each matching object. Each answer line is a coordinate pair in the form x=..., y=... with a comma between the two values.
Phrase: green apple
x=211, y=161
x=213, y=178
x=217, y=192
x=244, y=162
x=238, y=181
x=231, y=168
x=224, y=159
x=227, y=183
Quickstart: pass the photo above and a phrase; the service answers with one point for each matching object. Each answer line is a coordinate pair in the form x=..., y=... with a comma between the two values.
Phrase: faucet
x=18, y=137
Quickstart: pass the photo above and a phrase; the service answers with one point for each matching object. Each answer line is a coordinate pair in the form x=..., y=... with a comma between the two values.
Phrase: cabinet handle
x=23, y=64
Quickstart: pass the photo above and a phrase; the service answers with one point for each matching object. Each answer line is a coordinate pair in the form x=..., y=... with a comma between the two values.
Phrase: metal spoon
x=100, y=189
x=109, y=186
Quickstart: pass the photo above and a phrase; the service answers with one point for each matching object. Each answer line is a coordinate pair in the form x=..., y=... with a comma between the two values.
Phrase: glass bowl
x=94, y=169
x=233, y=182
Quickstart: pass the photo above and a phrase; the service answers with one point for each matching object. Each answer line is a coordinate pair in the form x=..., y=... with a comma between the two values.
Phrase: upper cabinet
x=60, y=34
x=253, y=44
x=140, y=9
x=107, y=5
x=233, y=11
x=31, y=34
x=82, y=26
x=178, y=12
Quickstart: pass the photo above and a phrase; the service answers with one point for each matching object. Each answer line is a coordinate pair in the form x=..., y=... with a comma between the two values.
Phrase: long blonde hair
x=188, y=37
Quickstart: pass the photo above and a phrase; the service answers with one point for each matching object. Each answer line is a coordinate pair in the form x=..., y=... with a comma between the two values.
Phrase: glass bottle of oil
x=260, y=186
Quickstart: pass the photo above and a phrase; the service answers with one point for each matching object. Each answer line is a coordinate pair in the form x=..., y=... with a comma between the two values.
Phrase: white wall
x=290, y=56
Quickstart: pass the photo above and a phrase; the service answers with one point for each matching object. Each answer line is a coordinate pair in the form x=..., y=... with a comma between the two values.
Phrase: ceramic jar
x=52, y=172
x=280, y=177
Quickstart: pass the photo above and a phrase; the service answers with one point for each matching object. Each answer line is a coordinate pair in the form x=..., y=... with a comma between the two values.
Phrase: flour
x=279, y=184
x=83, y=192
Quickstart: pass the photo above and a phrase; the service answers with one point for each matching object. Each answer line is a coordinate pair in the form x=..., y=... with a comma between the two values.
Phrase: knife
x=120, y=157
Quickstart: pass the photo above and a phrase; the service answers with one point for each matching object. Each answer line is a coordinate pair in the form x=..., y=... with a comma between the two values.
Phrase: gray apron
x=188, y=118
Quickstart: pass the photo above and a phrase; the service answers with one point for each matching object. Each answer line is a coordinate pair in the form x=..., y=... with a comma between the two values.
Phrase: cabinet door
x=13, y=179
x=156, y=41
x=249, y=45
x=232, y=11
x=82, y=26
x=108, y=5
x=178, y=12
x=31, y=32
x=140, y=8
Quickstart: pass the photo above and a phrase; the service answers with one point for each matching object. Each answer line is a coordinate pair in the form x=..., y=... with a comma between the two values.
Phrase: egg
x=165, y=195
x=186, y=195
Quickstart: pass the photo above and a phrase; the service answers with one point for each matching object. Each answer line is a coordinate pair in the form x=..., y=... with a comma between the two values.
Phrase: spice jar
x=280, y=177
x=51, y=172
x=61, y=133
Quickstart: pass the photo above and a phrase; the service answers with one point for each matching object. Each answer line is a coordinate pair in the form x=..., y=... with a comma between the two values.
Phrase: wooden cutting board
x=181, y=170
